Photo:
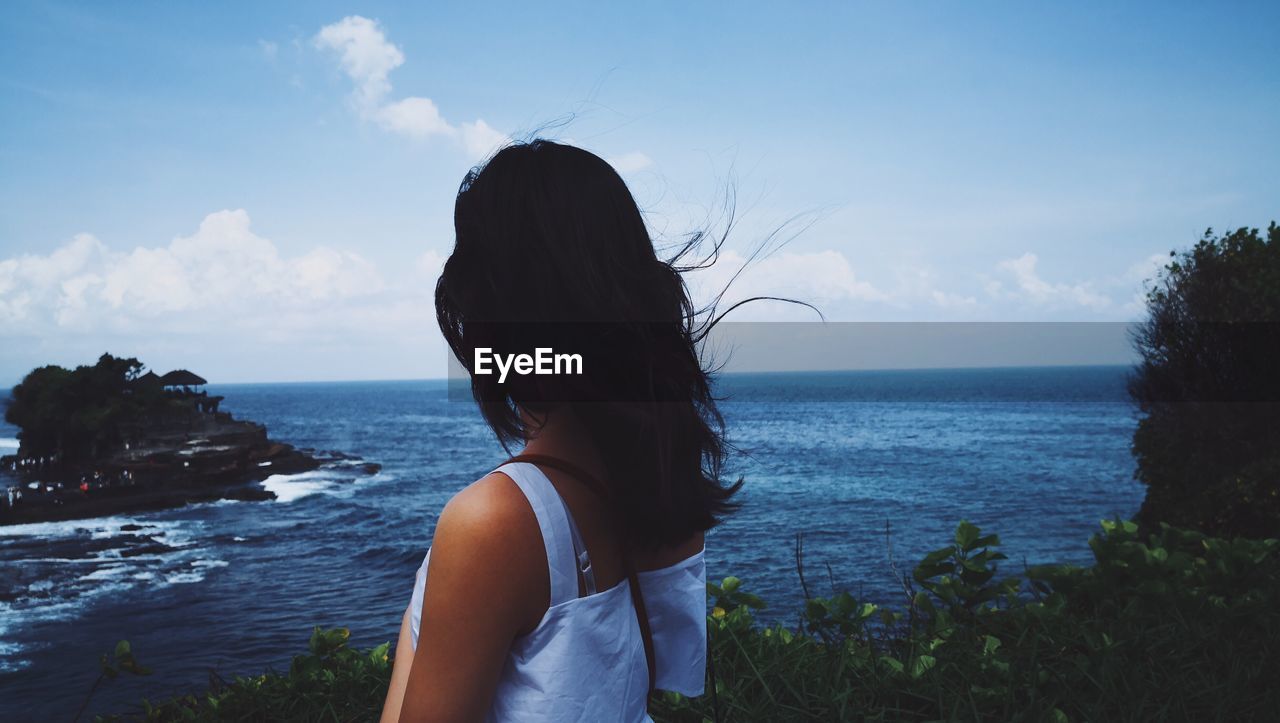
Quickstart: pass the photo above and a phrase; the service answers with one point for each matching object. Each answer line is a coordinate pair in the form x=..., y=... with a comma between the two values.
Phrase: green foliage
x=1208, y=446
x=121, y=660
x=961, y=575
x=77, y=413
x=1176, y=625
x=728, y=595
x=1179, y=626
x=124, y=662
x=332, y=682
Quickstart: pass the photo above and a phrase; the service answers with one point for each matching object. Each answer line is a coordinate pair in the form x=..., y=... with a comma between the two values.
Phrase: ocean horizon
x=865, y=464
x=4, y=391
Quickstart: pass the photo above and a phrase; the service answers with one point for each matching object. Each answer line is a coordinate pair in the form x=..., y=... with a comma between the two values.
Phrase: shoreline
x=70, y=503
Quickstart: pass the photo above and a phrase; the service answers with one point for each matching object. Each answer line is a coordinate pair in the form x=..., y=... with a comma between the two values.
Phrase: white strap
x=580, y=551
x=555, y=524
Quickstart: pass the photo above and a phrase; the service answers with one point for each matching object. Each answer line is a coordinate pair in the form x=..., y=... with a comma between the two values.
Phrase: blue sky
x=263, y=191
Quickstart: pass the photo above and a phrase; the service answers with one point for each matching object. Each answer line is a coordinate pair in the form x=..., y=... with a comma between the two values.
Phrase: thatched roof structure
x=182, y=378
x=148, y=379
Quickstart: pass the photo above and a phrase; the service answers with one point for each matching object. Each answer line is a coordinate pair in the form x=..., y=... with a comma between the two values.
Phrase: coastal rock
x=162, y=444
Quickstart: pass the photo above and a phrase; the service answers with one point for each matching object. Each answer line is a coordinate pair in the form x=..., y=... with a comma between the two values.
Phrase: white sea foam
x=74, y=584
x=65, y=528
x=69, y=585
x=9, y=660
x=378, y=477
x=336, y=478
x=290, y=487
x=22, y=612
x=209, y=563
x=196, y=574
x=26, y=610
x=105, y=573
x=175, y=538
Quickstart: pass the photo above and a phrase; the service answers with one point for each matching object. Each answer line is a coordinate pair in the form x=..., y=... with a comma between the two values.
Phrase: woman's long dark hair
x=551, y=251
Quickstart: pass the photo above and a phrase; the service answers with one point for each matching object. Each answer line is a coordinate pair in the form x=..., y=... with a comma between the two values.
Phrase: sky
x=263, y=191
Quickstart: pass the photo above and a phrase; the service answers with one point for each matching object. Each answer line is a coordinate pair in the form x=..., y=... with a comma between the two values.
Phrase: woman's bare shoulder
x=488, y=549
x=492, y=508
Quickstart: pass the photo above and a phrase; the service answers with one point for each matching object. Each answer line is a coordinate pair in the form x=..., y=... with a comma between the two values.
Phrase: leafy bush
x=1208, y=447
x=1176, y=626
x=332, y=682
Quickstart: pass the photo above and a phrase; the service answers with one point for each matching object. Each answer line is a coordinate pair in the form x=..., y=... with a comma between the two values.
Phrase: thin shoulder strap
x=540, y=485
x=554, y=523
x=579, y=549
x=628, y=560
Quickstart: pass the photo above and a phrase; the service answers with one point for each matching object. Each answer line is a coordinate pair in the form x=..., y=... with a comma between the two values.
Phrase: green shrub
x=1176, y=626
x=332, y=682
x=1208, y=444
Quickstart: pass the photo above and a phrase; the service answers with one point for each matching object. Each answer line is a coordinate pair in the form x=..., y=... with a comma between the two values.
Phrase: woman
x=569, y=583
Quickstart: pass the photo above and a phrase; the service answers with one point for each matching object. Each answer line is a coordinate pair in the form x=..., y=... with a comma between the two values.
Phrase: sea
x=869, y=469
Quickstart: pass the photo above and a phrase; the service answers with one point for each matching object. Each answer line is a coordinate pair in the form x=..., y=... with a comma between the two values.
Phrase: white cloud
x=1140, y=276
x=1030, y=287
x=915, y=291
x=1147, y=269
x=952, y=301
x=630, y=162
x=269, y=49
x=368, y=57
x=826, y=274
x=413, y=117
x=480, y=140
x=917, y=282
x=223, y=274
x=365, y=55
x=816, y=278
x=429, y=265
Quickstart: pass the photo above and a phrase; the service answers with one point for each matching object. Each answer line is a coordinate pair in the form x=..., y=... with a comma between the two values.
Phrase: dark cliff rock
x=171, y=461
x=106, y=438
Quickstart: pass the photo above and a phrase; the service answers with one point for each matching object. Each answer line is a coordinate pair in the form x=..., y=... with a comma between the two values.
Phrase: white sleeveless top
x=585, y=660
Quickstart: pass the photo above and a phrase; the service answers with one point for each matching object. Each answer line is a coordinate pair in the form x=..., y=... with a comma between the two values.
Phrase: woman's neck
x=559, y=433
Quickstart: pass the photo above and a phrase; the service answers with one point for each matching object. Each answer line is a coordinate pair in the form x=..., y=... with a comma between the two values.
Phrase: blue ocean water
x=1039, y=455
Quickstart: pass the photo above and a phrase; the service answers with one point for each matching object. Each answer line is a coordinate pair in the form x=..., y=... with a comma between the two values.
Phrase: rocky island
x=108, y=438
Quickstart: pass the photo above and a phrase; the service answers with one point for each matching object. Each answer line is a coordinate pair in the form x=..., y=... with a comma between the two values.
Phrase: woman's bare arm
x=399, y=672
x=487, y=583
